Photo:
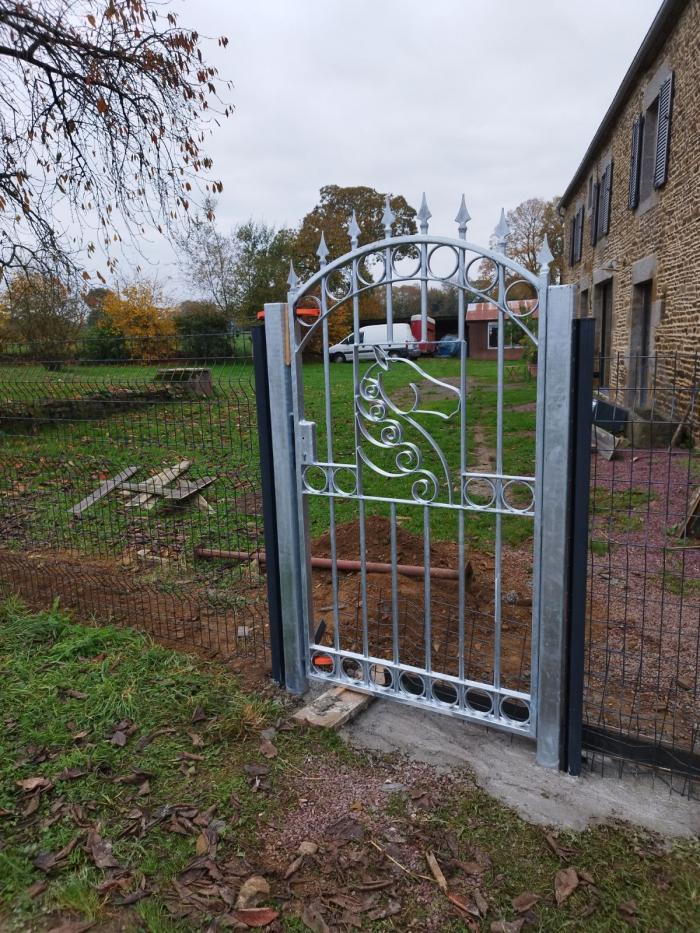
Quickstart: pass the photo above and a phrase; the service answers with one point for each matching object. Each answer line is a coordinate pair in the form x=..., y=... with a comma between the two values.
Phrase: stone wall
x=659, y=241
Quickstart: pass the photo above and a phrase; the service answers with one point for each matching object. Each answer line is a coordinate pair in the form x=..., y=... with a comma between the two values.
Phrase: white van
x=403, y=343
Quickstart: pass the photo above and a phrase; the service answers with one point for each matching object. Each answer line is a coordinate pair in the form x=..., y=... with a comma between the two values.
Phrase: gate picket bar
x=398, y=463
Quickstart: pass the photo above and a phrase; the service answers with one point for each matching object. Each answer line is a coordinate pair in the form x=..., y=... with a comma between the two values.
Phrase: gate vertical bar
x=584, y=342
x=279, y=377
x=552, y=521
x=267, y=484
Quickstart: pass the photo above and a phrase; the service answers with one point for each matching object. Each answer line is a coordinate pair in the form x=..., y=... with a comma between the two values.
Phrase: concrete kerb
x=505, y=767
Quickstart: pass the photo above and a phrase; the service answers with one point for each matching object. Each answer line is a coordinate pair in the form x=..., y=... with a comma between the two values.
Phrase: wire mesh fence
x=641, y=704
x=116, y=476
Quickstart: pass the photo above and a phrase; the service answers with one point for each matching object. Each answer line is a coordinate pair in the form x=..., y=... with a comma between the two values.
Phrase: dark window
x=641, y=341
x=651, y=123
x=576, y=236
x=602, y=311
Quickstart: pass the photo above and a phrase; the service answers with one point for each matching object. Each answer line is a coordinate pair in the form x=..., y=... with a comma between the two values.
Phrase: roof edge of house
x=662, y=25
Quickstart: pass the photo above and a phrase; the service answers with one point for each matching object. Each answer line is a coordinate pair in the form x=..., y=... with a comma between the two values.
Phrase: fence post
x=552, y=523
x=583, y=344
x=267, y=489
x=279, y=379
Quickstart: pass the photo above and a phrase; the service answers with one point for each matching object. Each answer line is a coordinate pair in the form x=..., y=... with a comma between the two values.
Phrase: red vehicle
x=429, y=345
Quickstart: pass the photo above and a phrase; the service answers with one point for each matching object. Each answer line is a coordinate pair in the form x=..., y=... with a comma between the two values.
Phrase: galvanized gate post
x=551, y=523
x=279, y=375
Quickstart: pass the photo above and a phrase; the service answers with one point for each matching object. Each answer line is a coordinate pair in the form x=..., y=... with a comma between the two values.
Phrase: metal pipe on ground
x=347, y=566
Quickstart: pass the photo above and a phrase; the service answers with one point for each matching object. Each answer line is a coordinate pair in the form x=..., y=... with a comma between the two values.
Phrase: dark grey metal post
x=583, y=344
x=267, y=483
x=279, y=377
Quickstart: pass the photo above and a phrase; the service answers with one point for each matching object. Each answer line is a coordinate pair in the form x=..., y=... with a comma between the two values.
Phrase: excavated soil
x=412, y=599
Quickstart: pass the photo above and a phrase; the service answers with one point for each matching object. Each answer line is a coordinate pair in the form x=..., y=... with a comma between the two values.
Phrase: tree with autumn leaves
x=105, y=107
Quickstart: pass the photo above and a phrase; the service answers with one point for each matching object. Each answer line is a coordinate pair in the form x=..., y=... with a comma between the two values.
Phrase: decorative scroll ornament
x=375, y=408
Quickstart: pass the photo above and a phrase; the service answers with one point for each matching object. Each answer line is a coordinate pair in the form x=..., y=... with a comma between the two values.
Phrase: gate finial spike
x=424, y=215
x=354, y=231
x=462, y=219
x=545, y=256
x=322, y=251
x=502, y=232
x=292, y=278
x=388, y=217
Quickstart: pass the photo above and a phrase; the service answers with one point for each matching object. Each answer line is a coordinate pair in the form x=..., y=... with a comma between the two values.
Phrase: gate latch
x=307, y=441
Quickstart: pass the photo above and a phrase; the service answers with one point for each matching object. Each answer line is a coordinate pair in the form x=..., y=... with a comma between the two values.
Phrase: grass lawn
x=140, y=790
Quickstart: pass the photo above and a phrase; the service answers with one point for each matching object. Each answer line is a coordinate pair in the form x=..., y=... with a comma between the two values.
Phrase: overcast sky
x=494, y=98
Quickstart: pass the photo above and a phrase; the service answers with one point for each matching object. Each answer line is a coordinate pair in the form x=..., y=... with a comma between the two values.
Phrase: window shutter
x=635, y=161
x=605, y=202
x=572, y=241
x=663, y=135
x=578, y=248
x=594, y=213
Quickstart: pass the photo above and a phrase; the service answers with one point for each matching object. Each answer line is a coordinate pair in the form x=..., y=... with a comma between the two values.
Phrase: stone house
x=632, y=215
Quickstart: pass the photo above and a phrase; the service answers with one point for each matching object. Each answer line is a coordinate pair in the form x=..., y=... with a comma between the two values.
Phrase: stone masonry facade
x=641, y=279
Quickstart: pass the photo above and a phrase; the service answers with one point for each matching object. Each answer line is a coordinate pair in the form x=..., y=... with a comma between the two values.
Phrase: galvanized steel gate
x=375, y=457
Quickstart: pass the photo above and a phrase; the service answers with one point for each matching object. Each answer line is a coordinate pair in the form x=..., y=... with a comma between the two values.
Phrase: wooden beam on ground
x=102, y=490
x=691, y=529
x=183, y=489
x=151, y=488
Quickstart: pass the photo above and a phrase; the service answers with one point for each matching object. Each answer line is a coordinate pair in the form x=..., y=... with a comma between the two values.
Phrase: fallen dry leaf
x=565, y=883
x=464, y=904
x=507, y=926
x=76, y=694
x=48, y=860
x=523, y=902
x=311, y=916
x=118, y=738
x=34, y=890
x=34, y=783
x=267, y=749
x=198, y=715
x=255, y=916
x=100, y=850
x=481, y=903
x=556, y=848
x=436, y=871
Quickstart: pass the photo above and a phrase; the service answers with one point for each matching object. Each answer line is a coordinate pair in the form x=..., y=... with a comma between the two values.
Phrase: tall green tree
x=331, y=216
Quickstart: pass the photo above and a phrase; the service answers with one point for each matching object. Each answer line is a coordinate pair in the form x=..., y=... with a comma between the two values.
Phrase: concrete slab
x=504, y=766
x=334, y=708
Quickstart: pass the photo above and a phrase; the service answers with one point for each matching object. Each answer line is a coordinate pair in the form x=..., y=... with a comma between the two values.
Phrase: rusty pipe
x=349, y=566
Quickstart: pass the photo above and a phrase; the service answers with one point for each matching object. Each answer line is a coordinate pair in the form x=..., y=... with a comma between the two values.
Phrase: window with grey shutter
x=572, y=240
x=594, y=213
x=664, y=132
x=578, y=234
x=635, y=161
x=604, y=201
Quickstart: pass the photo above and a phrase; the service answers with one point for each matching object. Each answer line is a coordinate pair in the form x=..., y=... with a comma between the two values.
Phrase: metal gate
x=422, y=529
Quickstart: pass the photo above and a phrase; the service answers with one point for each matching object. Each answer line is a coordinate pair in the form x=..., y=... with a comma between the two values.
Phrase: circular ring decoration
x=425, y=489
x=308, y=303
x=515, y=710
x=517, y=306
x=381, y=676
x=489, y=271
x=323, y=663
x=367, y=272
x=412, y=684
x=316, y=479
x=435, y=251
x=396, y=257
x=338, y=285
x=478, y=701
x=444, y=692
x=512, y=489
x=479, y=492
x=352, y=669
x=345, y=474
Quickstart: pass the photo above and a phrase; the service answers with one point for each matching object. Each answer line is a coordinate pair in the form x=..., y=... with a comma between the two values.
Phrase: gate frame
x=551, y=552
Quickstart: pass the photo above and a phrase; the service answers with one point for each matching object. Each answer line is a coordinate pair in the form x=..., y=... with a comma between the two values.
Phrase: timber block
x=334, y=708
